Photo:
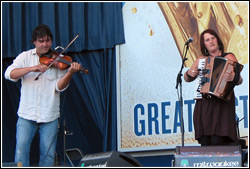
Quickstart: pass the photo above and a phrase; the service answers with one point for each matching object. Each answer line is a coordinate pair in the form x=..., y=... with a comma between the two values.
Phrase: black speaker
x=109, y=159
x=208, y=156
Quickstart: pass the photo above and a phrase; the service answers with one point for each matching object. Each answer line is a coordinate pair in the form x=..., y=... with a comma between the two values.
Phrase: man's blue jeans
x=25, y=133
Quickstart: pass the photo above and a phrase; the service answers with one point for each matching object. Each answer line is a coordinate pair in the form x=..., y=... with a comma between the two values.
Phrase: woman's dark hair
x=41, y=31
x=204, y=50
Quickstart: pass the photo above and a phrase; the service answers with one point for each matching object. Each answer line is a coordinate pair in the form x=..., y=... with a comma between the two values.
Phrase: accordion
x=211, y=81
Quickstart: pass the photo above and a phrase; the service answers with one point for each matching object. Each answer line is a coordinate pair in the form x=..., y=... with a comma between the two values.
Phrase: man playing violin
x=39, y=107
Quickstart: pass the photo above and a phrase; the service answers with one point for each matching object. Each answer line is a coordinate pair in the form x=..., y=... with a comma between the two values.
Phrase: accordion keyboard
x=201, y=67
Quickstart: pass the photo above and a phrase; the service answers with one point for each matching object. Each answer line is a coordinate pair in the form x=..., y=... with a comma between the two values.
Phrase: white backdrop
x=147, y=67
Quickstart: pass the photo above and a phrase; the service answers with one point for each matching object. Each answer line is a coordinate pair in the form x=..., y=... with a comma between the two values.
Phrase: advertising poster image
x=151, y=58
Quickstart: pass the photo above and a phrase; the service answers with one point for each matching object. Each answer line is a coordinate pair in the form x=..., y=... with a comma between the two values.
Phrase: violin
x=59, y=61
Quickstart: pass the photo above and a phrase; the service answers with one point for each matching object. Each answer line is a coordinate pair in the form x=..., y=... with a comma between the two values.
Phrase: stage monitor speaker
x=208, y=156
x=109, y=159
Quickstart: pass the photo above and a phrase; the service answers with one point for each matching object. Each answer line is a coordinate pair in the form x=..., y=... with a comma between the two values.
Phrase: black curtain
x=88, y=106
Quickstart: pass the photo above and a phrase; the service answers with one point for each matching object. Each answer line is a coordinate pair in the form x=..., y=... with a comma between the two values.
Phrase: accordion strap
x=235, y=80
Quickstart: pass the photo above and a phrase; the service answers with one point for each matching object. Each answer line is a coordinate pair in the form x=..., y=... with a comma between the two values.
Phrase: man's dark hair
x=41, y=31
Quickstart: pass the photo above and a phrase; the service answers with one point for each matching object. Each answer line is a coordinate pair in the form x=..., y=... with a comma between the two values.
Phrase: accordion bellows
x=212, y=70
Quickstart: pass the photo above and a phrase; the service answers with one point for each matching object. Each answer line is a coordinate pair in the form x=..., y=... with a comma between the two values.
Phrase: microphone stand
x=65, y=133
x=179, y=82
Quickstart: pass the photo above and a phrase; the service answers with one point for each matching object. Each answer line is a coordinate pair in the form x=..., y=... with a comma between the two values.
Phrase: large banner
x=148, y=64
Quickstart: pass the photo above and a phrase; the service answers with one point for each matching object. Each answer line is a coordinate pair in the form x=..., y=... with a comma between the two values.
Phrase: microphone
x=189, y=40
